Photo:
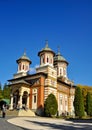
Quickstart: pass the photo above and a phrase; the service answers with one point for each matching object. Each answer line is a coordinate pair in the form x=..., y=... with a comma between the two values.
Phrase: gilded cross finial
x=46, y=42
x=58, y=50
x=25, y=51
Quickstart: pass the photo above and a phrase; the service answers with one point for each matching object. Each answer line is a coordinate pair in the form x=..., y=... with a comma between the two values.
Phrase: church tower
x=60, y=64
x=46, y=56
x=23, y=66
x=46, y=65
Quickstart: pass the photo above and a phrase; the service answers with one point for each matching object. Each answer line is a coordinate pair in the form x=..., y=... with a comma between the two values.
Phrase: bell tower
x=23, y=66
x=46, y=66
x=60, y=64
x=46, y=56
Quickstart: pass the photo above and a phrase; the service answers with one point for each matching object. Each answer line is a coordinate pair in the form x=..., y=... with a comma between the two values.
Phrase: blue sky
x=26, y=24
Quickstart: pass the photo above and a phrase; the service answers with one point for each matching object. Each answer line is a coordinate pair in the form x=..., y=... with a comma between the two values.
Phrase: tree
x=1, y=93
x=85, y=90
x=50, y=106
x=78, y=103
x=84, y=93
x=89, y=104
x=6, y=91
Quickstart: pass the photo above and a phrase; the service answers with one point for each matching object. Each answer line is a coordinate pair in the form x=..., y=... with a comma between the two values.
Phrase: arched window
x=51, y=60
x=57, y=71
x=19, y=66
x=43, y=59
x=60, y=72
x=47, y=59
x=23, y=67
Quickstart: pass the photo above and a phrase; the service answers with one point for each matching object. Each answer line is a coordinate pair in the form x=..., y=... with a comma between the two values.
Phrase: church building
x=31, y=90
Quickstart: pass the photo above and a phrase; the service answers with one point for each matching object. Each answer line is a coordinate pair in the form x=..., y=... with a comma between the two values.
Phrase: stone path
x=4, y=125
x=36, y=123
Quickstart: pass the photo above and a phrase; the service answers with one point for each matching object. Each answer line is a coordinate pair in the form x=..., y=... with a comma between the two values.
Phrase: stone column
x=11, y=104
x=20, y=102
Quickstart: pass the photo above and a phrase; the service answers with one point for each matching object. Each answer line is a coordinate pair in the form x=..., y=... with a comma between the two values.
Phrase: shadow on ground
x=80, y=120
x=66, y=126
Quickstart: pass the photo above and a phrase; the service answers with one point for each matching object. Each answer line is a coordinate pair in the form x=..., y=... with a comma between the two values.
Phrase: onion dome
x=59, y=58
x=46, y=49
x=24, y=58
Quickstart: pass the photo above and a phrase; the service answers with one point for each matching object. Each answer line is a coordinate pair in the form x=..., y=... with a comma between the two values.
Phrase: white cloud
x=33, y=69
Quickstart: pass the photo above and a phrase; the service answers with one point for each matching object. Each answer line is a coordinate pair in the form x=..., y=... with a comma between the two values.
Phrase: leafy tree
x=89, y=104
x=51, y=105
x=6, y=91
x=84, y=93
x=78, y=103
x=1, y=92
x=85, y=90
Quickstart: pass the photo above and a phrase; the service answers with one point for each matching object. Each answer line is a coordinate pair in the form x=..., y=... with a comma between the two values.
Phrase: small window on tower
x=19, y=66
x=47, y=59
x=51, y=61
x=43, y=59
x=60, y=72
x=23, y=67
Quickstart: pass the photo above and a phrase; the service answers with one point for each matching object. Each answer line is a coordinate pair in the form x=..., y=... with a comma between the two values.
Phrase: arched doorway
x=15, y=99
x=24, y=98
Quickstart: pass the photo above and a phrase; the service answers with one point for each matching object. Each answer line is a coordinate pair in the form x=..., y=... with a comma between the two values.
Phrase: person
x=3, y=111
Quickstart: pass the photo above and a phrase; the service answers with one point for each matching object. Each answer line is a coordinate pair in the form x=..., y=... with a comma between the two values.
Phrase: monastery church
x=31, y=90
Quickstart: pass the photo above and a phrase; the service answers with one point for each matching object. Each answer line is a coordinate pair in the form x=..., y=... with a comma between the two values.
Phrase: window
x=23, y=67
x=43, y=59
x=19, y=66
x=47, y=59
x=34, y=98
x=51, y=61
x=60, y=72
x=65, y=103
x=61, y=101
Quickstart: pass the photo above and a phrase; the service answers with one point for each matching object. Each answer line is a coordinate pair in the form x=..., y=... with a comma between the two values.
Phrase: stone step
x=20, y=112
x=26, y=113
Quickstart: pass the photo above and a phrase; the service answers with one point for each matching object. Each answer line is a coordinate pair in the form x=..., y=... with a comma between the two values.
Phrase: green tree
x=6, y=91
x=50, y=106
x=89, y=104
x=78, y=103
x=1, y=92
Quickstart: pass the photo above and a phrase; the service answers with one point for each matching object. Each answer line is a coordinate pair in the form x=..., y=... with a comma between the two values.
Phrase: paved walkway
x=36, y=123
x=4, y=125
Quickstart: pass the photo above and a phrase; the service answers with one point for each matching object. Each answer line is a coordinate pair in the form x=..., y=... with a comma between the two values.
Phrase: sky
x=26, y=24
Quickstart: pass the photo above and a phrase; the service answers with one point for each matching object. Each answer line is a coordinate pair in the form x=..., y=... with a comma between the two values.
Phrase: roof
x=60, y=58
x=46, y=49
x=20, y=82
x=24, y=57
x=28, y=76
x=59, y=80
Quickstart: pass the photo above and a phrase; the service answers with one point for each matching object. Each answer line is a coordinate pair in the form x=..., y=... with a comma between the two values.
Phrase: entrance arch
x=15, y=99
x=25, y=99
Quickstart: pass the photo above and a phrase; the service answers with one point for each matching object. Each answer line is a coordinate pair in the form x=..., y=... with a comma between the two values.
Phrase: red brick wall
x=40, y=101
x=40, y=93
x=30, y=99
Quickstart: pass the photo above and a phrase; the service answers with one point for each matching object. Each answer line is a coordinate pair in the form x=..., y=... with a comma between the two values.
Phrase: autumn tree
x=85, y=90
x=79, y=103
x=89, y=104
